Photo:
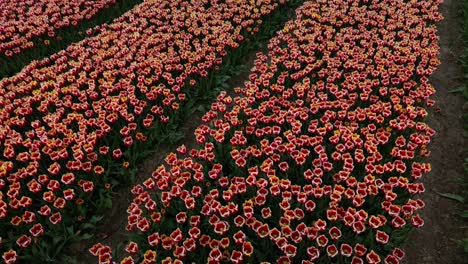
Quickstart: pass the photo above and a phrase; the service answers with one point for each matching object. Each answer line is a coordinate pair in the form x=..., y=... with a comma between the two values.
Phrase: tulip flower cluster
x=22, y=21
x=63, y=117
x=315, y=160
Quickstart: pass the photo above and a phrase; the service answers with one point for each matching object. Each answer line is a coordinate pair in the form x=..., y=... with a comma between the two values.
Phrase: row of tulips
x=315, y=160
x=22, y=21
x=32, y=30
x=67, y=121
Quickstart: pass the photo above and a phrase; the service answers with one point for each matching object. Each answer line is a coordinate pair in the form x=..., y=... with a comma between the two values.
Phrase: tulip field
x=317, y=158
x=29, y=28
x=22, y=21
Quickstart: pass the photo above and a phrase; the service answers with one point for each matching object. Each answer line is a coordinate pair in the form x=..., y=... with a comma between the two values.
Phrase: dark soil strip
x=112, y=229
x=63, y=38
x=436, y=241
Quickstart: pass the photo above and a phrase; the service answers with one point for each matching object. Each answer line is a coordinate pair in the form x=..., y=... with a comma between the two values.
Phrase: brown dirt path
x=436, y=242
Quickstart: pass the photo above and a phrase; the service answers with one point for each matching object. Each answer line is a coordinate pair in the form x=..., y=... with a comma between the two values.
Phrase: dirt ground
x=436, y=242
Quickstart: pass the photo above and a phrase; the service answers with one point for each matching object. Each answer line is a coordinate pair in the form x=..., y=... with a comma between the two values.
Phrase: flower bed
x=22, y=21
x=317, y=160
x=71, y=121
x=31, y=30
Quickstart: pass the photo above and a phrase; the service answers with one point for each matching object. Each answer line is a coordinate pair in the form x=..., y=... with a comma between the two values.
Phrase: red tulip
x=10, y=256
x=23, y=241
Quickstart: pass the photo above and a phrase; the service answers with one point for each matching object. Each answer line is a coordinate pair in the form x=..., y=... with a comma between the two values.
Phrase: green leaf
x=58, y=249
x=87, y=225
x=35, y=251
x=464, y=214
x=464, y=244
x=457, y=180
x=453, y=196
x=107, y=203
x=57, y=240
x=85, y=236
x=96, y=218
x=457, y=90
x=70, y=231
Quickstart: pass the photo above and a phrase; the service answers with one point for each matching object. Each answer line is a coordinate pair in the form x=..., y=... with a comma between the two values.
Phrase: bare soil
x=436, y=242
